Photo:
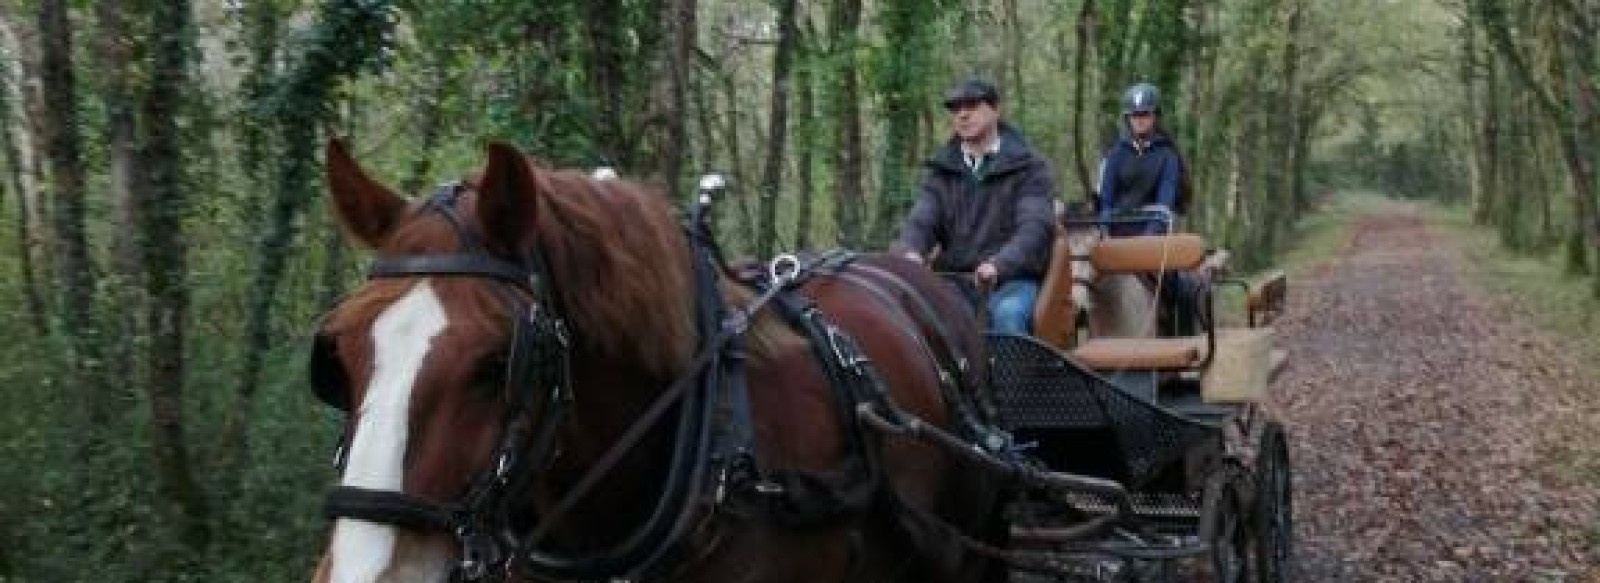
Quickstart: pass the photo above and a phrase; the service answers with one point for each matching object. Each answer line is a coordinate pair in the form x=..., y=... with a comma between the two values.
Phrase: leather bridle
x=492, y=547
x=538, y=358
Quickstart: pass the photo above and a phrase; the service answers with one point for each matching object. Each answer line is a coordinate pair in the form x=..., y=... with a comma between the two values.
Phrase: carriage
x=1168, y=414
x=1136, y=428
x=1114, y=444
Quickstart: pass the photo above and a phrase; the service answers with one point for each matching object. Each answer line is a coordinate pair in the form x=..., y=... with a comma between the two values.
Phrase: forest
x=167, y=246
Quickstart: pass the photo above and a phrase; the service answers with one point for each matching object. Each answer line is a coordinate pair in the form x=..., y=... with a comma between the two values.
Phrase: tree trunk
x=1015, y=37
x=15, y=169
x=1283, y=198
x=1577, y=29
x=166, y=261
x=905, y=22
x=299, y=107
x=332, y=283
x=117, y=60
x=1494, y=170
x=844, y=106
x=670, y=89
x=1080, y=78
x=606, y=67
x=777, y=128
x=1579, y=169
x=432, y=122
x=31, y=139
x=116, y=55
x=808, y=143
x=1478, y=170
x=74, y=268
x=745, y=221
x=261, y=31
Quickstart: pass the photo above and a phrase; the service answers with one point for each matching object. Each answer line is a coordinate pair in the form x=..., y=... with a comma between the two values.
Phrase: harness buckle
x=473, y=565
x=722, y=487
x=480, y=552
x=784, y=270
x=502, y=466
x=563, y=335
x=844, y=350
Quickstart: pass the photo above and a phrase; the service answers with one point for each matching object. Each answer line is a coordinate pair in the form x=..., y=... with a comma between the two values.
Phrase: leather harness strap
x=714, y=435
x=952, y=359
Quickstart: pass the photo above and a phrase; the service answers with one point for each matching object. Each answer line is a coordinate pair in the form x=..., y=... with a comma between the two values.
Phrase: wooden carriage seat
x=1055, y=317
x=1136, y=255
x=1163, y=354
x=1148, y=254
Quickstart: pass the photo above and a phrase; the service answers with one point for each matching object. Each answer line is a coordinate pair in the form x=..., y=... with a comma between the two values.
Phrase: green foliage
x=420, y=86
x=1537, y=284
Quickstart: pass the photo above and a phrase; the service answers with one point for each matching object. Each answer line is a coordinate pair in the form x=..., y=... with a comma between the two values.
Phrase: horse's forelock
x=620, y=264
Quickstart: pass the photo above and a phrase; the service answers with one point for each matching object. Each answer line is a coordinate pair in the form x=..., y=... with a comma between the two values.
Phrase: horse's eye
x=491, y=371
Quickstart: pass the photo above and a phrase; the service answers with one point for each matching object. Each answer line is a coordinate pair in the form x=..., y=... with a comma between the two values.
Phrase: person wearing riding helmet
x=1143, y=170
x=1143, y=173
x=985, y=204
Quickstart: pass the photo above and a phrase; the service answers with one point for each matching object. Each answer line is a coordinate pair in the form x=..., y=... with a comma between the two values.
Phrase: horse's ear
x=506, y=199
x=368, y=211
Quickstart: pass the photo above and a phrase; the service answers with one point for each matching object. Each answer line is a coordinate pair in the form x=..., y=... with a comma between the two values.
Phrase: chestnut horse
x=420, y=353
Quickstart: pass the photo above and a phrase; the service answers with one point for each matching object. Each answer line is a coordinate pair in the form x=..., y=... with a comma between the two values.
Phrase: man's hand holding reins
x=986, y=274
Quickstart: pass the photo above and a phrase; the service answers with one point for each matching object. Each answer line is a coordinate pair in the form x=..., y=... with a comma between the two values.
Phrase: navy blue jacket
x=1133, y=176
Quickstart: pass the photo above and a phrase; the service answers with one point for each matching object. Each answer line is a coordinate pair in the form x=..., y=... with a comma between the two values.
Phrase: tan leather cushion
x=1054, y=316
x=1141, y=353
x=1148, y=253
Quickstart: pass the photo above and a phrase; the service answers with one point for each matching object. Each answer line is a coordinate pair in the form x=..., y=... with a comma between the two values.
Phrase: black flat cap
x=972, y=91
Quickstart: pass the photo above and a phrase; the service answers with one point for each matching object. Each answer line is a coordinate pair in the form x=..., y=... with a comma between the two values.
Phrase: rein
x=732, y=328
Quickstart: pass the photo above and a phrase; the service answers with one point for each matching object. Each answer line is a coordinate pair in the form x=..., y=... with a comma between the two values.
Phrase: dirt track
x=1436, y=435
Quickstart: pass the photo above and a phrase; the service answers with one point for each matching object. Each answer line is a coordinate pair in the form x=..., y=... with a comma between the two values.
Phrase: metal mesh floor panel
x=1039, y=387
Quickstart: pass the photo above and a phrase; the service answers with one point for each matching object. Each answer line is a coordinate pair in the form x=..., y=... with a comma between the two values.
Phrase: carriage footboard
x=1040, y=390
x=1105, y=543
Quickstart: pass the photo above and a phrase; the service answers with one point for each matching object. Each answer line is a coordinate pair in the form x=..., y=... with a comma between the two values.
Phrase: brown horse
x=421, y=357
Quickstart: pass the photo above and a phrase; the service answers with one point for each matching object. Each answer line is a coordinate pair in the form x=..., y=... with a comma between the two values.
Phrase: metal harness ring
x=783, y=269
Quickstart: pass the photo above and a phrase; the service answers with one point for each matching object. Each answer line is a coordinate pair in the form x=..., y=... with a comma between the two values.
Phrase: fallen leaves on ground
x=1436, y=436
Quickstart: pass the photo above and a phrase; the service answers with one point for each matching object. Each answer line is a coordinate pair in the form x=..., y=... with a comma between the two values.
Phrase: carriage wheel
x=1274, y=506
x=1223, y=526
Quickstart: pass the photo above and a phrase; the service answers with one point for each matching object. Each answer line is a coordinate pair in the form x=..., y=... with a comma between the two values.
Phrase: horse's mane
x=620, y=261
x=619, y=264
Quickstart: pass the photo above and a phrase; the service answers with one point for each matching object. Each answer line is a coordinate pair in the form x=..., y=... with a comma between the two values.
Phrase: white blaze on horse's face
x=362, y=551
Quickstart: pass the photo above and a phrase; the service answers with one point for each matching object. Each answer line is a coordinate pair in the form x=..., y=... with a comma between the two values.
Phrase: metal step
x=1145, y=505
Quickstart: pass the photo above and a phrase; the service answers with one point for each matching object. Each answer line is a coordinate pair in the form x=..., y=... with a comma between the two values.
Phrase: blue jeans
x=1011, y=306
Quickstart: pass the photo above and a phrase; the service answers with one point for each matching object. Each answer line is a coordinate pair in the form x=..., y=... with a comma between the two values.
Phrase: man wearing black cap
x=985, y=204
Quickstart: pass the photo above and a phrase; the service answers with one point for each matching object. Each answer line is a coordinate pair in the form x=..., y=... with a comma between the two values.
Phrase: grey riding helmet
x=1141, y=98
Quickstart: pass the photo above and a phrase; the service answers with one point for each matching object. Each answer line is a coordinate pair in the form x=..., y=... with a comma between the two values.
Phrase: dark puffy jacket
x=1001, y=214
x=1134, y=176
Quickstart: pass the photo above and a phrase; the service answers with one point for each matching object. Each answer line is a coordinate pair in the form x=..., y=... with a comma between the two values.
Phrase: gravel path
x=1436, y=435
